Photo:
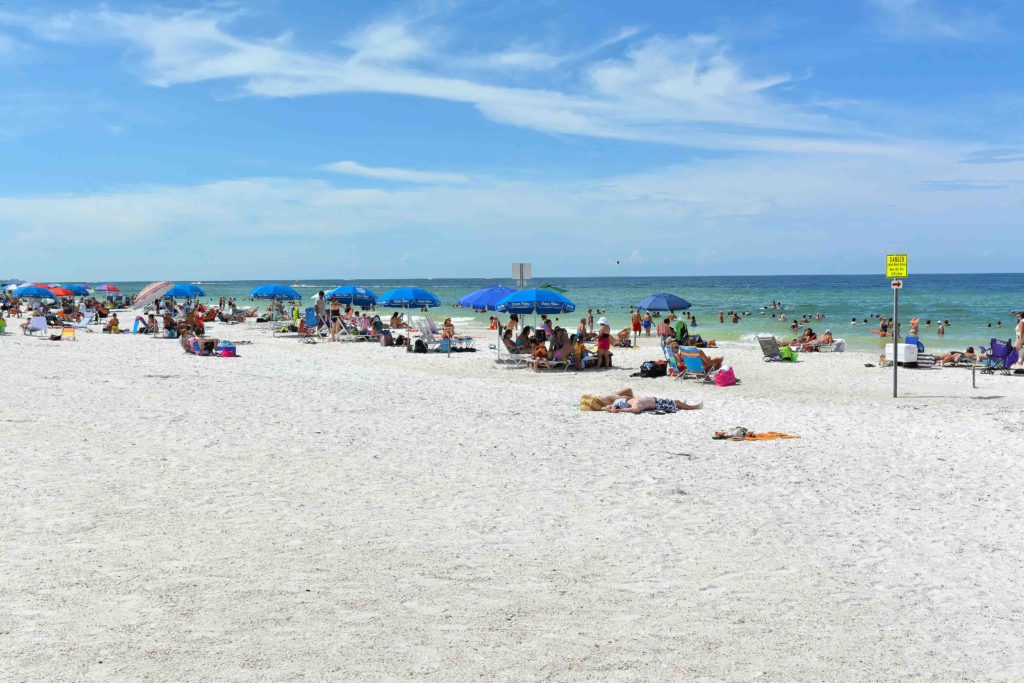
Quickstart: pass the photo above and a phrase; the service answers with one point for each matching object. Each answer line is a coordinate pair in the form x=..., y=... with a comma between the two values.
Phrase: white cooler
x=905, y=353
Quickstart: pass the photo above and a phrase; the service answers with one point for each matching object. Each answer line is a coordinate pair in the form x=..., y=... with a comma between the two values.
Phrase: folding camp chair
x=773, y=352
x=67, y=333
x=37, y=324
x=309, y=332
x=693, y=364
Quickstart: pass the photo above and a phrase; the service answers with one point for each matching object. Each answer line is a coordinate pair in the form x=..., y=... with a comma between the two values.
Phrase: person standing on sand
x=590, y=320
x=320, y=306
x=648, y=323
x=1020, y=337
x=634, y=316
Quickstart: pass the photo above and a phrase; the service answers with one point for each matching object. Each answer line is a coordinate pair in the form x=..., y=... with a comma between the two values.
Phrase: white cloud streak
x=923, y=19
x=398, y=174
x=683, y=91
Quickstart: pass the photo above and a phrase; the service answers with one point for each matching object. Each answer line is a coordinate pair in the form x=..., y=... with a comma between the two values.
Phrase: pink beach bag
x=725, y=377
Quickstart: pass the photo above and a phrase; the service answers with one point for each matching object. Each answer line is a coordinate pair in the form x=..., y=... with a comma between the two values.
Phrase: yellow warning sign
x=896, y=265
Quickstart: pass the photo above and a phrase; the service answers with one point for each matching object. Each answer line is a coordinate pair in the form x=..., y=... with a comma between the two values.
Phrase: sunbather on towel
x=643, y=404
x=957, y=356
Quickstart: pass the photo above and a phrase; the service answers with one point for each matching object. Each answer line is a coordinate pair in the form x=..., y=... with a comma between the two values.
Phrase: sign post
x=522, y=272
x=895, y=269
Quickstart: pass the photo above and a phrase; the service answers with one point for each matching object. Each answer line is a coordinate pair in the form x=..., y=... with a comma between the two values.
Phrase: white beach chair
x=506, y=358
x=37, y=324
x=84, y=323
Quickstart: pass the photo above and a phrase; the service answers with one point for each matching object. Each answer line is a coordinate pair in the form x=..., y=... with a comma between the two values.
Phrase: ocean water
x=972, y=303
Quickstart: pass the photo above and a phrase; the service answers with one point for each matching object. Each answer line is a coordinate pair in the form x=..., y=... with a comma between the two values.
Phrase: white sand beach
x=347, y=511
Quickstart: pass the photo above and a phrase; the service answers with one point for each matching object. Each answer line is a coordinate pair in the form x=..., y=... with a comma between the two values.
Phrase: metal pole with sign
x=895, y=269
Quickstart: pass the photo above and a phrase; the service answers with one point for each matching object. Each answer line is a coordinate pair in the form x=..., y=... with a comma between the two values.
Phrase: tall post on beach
x=895, y=335
x=896, y=270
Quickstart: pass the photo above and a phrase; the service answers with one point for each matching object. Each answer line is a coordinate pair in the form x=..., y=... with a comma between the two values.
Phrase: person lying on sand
x=823, y=340
x=957, y=356
x=624, y=403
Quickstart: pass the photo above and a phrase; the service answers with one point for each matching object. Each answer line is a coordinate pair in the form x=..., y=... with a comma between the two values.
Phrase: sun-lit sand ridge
x=350, y=511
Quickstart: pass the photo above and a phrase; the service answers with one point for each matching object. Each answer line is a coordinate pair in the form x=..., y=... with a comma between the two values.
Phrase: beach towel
x=744, y=434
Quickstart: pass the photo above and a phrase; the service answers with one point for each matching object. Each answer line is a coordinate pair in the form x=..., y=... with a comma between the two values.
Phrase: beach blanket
x=744, y=434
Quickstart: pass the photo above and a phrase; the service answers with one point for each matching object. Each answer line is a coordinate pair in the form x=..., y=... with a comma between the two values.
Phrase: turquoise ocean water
x=970, y=302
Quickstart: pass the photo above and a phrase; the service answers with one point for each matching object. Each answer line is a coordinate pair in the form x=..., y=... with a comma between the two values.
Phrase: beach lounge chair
x=67, y=333
x=505, y=357
x=84, y=323
x=426, y=336
x=457, y=342
x=37, y=324
x=773, y=352
x=693, y=365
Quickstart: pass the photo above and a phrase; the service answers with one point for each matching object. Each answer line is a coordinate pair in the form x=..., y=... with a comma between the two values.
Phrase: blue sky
x=446, y=138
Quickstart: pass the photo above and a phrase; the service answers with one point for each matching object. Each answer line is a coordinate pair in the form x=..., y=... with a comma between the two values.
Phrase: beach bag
x=386, y=339
x=400, y=340
x=725, y=377
x=787, y=354
x=653, y=368
x=589, y=402
x=419, y=347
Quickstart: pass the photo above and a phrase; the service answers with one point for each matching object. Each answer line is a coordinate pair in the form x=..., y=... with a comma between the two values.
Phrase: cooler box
x=905, y=353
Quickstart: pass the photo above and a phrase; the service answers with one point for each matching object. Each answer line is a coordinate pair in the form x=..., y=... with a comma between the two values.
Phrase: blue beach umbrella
x=486, y=298
x=664, y=302
x=79, y=290
x=353, y=295
x=536, y=301
x=183, y=290
x=275, y=292
x=408, y=297
x=34, y=292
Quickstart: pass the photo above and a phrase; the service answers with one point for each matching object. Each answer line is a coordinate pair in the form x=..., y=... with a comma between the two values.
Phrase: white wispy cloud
x=686, y=91
x=924, y=19
x=813, y=202
x=399, y=174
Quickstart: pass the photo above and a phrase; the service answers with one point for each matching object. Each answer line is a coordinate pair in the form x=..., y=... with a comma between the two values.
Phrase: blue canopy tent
x=183, y=290
x=275, y=292
x=663, y=302
x=408, y=297
x=536, y=301
x=486, y=299
x=353, y=295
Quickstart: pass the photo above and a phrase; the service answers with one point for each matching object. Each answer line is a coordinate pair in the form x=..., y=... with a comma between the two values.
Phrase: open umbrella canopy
x=664, y=302
x=486, y=298
x=353, y=295
x=61, y=291
x=11, y=284
x=151, y=293
x=36, y=291
x=77, y=290
x=183, y=290
x=536, y=301
x=107, y=288
x=276, y=292
x=408, y=297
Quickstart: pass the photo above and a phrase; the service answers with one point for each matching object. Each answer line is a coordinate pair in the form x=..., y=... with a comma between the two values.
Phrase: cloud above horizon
x=399, y=174
x=680, y=90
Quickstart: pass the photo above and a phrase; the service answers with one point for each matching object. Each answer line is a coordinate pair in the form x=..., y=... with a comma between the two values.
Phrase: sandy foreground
x=346, y=511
